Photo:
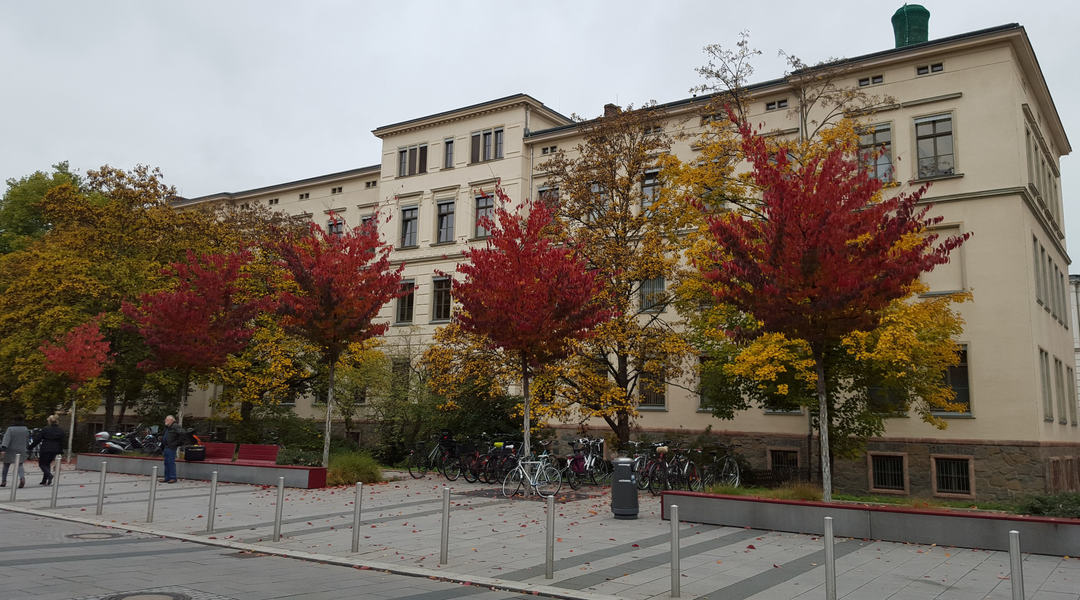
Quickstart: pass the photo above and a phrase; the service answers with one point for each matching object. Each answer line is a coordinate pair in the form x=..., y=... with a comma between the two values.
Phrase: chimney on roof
x=911, y=25
x=611, y=109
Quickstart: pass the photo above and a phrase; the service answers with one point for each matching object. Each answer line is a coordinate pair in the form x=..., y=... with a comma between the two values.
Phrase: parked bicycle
x=723, y=469
x=541, y=475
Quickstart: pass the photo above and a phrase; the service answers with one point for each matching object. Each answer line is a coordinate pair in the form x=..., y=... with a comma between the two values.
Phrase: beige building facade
x=970, y=114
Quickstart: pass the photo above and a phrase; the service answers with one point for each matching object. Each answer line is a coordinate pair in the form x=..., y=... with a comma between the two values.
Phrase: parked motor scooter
x=104, y=444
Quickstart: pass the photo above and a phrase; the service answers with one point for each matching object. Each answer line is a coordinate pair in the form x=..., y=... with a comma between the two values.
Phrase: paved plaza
x=496, y=549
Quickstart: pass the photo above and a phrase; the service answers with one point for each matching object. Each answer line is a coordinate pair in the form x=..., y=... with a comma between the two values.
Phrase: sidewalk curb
x=494, y=584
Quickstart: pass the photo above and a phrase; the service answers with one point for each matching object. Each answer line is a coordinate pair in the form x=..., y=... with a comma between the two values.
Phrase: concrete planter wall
x=296, y=477
x=987, y=531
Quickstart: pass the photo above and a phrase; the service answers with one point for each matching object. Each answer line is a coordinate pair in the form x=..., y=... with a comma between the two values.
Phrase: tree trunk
x=329, y=416
x=245, y=411
x=110, y=401
x=71, y=432
x=183, y=399
x=823, y=423
x=525, y=393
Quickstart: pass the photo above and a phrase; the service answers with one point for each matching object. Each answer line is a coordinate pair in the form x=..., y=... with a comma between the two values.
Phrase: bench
x=219, y=453
x=257, y=454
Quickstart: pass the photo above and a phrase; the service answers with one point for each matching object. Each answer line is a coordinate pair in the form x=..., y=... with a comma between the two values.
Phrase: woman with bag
x=53, y=443
x=16, y=438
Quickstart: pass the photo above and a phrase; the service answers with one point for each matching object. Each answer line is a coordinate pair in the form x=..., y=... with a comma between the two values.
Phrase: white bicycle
x=541, y=475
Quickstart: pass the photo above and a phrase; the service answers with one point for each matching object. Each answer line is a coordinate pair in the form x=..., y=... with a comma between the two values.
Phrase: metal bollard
x=356, y=517
x=675, y=584
x=213, y=503
x=101, y=489
x=444, y=549
x=15, y=482
x=280, y=504
x=549, y=571
x=1016, y=566
x=830, y=561
x=56, y=481
x=153, y=495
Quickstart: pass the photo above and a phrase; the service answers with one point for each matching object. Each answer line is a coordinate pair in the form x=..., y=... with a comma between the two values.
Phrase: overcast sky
x=232, y=95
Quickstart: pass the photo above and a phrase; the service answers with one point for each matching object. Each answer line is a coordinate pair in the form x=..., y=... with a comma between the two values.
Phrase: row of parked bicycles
x=659, y=466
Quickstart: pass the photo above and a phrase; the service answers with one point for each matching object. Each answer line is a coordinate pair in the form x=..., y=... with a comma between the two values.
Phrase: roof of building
x=180, y=201
x=471, y=108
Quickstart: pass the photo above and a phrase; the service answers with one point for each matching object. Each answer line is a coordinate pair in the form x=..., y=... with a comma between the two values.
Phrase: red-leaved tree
x=524, y=294
x=193, y=327
x=342, y=280
x=79, y=356
x=826, y=255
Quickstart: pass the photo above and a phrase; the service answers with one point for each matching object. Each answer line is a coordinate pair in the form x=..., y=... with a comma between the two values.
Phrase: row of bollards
x=1015, y=558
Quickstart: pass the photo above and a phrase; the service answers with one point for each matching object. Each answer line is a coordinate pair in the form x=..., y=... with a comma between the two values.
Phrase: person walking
x=16, y=438
x=53, y=443
x=170, y=441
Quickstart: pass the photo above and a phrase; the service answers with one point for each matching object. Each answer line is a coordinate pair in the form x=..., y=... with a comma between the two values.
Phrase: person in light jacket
x=53, y=443
x=15, y=442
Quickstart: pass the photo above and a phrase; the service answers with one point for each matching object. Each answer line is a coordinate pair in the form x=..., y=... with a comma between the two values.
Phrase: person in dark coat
x=16, y=438
x=53, y=443
x=172, y=439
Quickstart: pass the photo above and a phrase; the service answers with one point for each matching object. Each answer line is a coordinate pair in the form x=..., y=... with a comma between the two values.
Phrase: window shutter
x=412, y=161
x=423, y=160
x=474, y=150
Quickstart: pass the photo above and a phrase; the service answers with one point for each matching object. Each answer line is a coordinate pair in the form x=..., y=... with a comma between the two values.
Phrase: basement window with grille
x=952, y=476
x=888, y=473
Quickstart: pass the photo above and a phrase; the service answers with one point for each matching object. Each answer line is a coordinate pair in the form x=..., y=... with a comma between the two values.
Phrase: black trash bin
x=624, y=491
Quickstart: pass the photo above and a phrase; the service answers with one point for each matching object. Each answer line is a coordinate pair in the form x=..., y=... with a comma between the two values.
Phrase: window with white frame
x=650, y=188
x=652, y=392
x=548, y=193
x=441, y=303
x=412, y=160
x=934, y=144
x=1070, y=384
x=776, y=104
x=875, y=151
x=653, y=296
x=486, y=145
x=335, y=226
x=485, y=207
x=1047, y=393
x=448, y=153
x=445, y=221
x=406, y=302
x=409, y=227
x=956, y=377
x=1059, y=384
x=1035, y=248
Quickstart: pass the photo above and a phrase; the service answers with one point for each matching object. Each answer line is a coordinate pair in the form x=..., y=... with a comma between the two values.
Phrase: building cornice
x=281, y=187
x=469, y=112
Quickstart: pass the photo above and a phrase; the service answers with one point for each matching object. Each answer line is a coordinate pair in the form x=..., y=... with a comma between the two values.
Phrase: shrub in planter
x=349, y=468
x=1065, y=505
x=300, y=458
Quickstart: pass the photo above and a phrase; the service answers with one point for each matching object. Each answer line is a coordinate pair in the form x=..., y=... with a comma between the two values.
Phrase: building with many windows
x=970, y=114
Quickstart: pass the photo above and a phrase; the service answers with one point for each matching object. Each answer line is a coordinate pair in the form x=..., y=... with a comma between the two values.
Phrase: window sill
x=413, y=175
x=479, y=238
x=403, y=324
x=953, y=415
x=414, y=247
x=480, y=162
x=438, y=321
x=652, y=408
x=777, y=413
x=890, y=492
x=940, y=177
x=450, y=243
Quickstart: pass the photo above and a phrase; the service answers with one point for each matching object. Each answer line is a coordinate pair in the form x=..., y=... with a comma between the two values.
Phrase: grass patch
x=791, y=491
x=349, y=468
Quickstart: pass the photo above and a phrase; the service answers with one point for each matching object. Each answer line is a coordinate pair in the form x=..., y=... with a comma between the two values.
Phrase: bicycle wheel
x=548, y=481
x=645, y=474
x=417, y=464
x=600, y=473
x=468, y=468
x=658, y=479
x=450, y=466
x=729, y=472
x=692, y=477
x=512, y=483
